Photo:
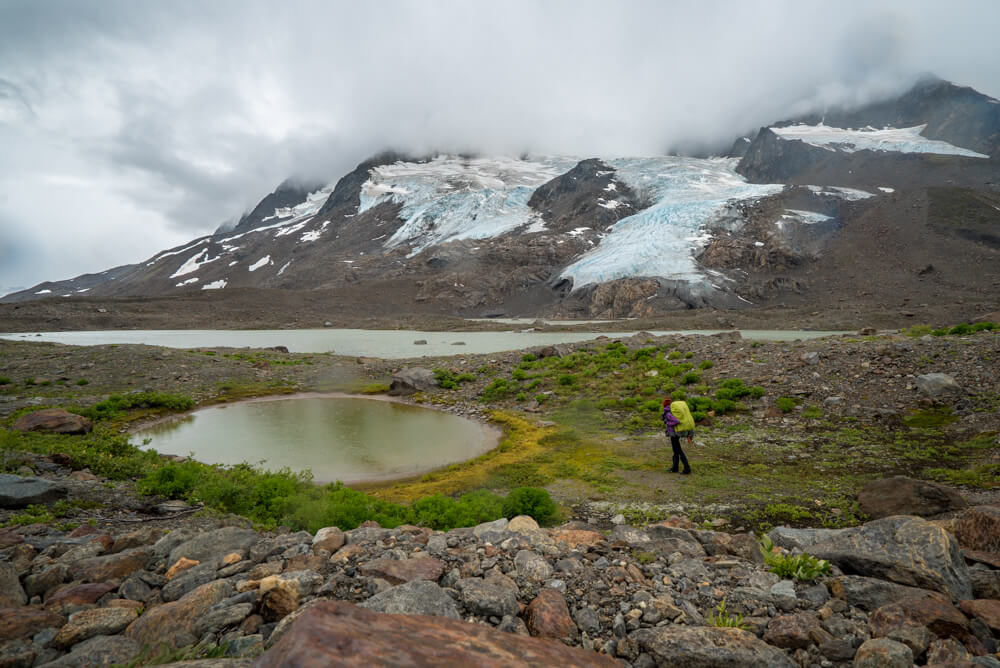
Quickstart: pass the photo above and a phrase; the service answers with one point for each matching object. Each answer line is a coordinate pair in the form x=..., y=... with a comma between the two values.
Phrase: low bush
x=722, y=618
x=786, y=404
x=799, y=566
x=530, y=501
x=119, y=404
x=449, y=380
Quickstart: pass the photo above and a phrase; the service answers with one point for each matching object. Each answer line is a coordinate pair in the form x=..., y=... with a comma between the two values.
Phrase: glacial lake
x=387, y=344
x=337, y=437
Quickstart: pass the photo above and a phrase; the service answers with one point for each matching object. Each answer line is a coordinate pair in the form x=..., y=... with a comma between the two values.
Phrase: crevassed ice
x=901, y=140
x=451, y=198
x=662, y=240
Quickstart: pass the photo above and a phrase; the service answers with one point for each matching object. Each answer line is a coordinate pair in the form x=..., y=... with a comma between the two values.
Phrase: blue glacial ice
x=450, y=197
x=663, y=239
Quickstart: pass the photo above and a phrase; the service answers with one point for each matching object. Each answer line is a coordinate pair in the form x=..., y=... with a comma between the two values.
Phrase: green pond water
x=347, y=439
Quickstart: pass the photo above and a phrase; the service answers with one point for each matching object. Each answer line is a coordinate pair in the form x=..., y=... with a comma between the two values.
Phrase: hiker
x=679, y=422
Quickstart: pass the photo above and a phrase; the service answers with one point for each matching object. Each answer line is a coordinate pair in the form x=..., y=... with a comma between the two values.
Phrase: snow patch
x=283, y=267
x=194, y=263
x=266, y=260
x=578, y=231
x=313, y=235
x=187, y=282
x=215, y=285
x=609, y=204
x=807, y=217
x=887, y=190
x=850, y=194
x=43, y=292
x=899, y=140
x=157, y=258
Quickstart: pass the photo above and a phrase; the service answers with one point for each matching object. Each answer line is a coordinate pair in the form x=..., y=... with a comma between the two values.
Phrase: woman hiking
x=679, y=422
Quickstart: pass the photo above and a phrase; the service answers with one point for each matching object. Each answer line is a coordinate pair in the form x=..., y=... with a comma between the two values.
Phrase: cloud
x=179, y=115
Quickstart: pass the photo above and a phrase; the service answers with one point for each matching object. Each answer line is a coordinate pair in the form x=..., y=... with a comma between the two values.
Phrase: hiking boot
x=673, y=471
x=686, y=472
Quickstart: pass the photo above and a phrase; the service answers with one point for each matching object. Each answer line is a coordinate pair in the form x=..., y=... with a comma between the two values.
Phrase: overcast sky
x=130, y=126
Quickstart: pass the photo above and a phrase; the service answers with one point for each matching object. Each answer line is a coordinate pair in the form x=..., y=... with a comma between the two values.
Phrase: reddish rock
x=337, y=633
x=397, y=571
x=104, y=539
x=989, y=558
x=55, y=421
x=575, y=538
x=943, y=620
x=277, y=603
x=110, y=566
x=986, y=609
x=305, y=562
x=175, y=623
x=138, y=538
x=946, y=651
x=346, y=553
x=900, y=495
x=9, y=538
x=548, y=615
x=793, y=631
x=78, y=597
x=23, y=622
x=979, y=529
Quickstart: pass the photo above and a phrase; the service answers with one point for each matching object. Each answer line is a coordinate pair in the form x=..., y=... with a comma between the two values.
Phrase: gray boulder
x=414, y=598
x=215, y=544
x=412, y=379
x=11, y=593
x=900, y=495
x=708, y=647
x=869, y=594
x=937, y=384
x=99, y=651
x=19, y=492
x=883, y=653
x=491, y=598
x=902, y=549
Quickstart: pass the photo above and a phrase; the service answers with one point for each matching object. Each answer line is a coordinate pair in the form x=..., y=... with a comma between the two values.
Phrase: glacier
x=450, y=197
x=901, y=140
x=662, y=240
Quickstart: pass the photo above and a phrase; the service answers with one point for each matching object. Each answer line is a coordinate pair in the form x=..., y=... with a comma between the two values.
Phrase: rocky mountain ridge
x=622, y=237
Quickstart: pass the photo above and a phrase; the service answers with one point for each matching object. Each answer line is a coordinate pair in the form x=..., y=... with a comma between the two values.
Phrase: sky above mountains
x=129, y=127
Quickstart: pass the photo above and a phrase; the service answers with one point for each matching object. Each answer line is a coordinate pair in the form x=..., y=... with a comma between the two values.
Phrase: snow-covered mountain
x=606, y=236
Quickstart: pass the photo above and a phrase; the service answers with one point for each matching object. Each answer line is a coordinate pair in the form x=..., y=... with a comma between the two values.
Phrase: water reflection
x=345, y=439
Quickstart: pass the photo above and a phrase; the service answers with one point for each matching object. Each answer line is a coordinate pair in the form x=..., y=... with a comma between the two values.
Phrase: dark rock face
x=587, y=194
x=19, y=492
x=289, y=193
x=900, y=495
x=336, y=633
x=347, y=192
x=54, y=421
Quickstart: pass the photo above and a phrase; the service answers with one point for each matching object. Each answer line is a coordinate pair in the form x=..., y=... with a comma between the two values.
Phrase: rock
x=793, y=631
x=8, y=538
x=917, y=638
x=414, y=598
x=19, y=492
x=708, y=647
x=11, y=593
x=96, y=622
x=872, y=593
x=406, y=570
x=188, y=580
x=799, y=539
x=336, y=633
x=175, y=623
x=110, y=566
x=70, y=600
x=902, y=549
x=490, y=598
x=883, y=653
x=900, y=495
x=53, y=421
x=212, y=544
x=979, y=529
x=532, y=566
x=138, y=538
x=985, y=582
x=278, y=603
x=330, y=539
x=838, y=649
x=37, y=584
x=577, y=538
x=946, y=651
x=522, y=524
x=24, y=622
x=943, y=620
x=222, y=616
x=487, y=528
x=937, y=384
x=99, y=651
x=985, y=609
x=740, y=545
x=180, y=566
x=412, y=379
x=547, y=615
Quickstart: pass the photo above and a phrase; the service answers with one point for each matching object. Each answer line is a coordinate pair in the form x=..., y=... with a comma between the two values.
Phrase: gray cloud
x=129, y=126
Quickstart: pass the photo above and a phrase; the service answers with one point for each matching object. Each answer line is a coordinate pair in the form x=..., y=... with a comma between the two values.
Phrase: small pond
x=337, y=437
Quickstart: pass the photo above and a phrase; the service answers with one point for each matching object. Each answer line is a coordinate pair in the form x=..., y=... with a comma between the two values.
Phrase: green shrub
x=520, y=396
x=786, y=404
x=691, y=378
x=518, y=374
x=541, y=398
x=499, y=389
x=449, y=380
x=83, y=381
x=443, y=513
x=675, y=355
x=567, y=379
x=531, y=501
x=721, y=617
x=653, y=406
x=528, y=357
x=800, y=566
x=118, y=404
x=4, y=380
x=706, y=364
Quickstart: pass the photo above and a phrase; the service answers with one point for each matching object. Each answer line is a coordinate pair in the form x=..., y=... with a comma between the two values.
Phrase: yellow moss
x=520, y=443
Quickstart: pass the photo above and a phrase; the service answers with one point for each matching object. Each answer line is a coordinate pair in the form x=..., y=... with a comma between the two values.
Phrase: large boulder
x=214, y=544
x=902, y=549
x=900, y=495
x=412, y=379
x=337, y=633
x=935, y=385
x=54, y=421
x=177, y=624
x=872, y=593
x=414, y=598
x=709, y=647
x=979, y=529
x=18, y=492
x=943, y=619
x=883, y=653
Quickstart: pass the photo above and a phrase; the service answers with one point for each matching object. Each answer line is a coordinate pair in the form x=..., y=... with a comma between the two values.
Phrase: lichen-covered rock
x=419, y=597
x=979, y=529
x=11, y=592
x=883, y=653
x=99, y=651
x=337, y=633
x=490, y=597
x=23, y=622
x=214, y=544
x=709, y=647
x=175, y=624
x=72, y=599
x=900, y=495
x=410, y=380
x=95, y=622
